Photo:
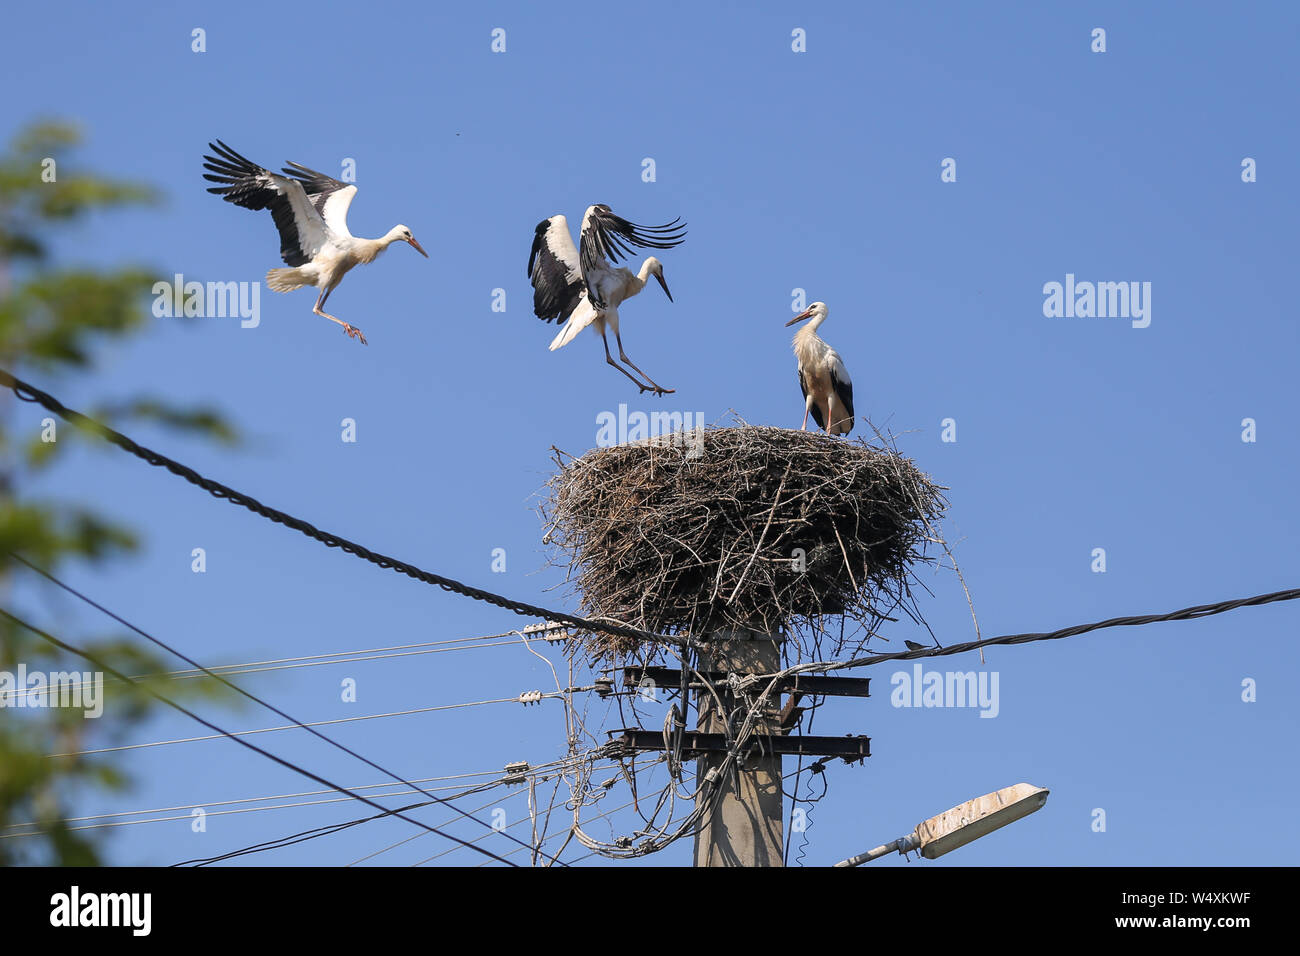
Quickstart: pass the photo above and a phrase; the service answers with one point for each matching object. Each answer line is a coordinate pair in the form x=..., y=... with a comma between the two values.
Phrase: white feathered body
x=820, y=370
x=335, y=258
x=616, y=287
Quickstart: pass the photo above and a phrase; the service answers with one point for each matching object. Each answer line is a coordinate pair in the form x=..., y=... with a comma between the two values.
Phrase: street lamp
x=962, y=824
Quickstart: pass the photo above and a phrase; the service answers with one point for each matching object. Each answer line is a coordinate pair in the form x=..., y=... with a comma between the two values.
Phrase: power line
x=546, y=839
x=235, y=687
x=303, y=835
x=243, y=743
x=294, y=726
x=313, y=660
x=300, y=837
x=29, y=393
x=506, y=827
x=223, y=813
x=33, y=827
x=556, y=835
x=1186, y=614
x=393, y=846
x=543, y=772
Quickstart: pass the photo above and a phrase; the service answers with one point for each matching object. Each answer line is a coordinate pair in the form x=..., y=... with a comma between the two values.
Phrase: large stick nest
x=741, y=527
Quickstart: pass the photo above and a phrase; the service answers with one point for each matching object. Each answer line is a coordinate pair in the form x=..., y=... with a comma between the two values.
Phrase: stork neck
x=810, y=329
x=367, y=249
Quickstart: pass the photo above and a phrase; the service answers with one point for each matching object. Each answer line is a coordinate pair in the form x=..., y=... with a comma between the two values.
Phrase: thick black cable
x=1186, y=614
x=63, y=645
x=29, y=393
x=253, y=697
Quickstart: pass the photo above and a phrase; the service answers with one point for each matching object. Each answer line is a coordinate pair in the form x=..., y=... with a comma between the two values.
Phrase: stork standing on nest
x=581, y=286
x=827, y=388
x=311, y=211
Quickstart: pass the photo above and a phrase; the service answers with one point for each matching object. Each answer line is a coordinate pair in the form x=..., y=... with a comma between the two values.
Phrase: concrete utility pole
x=744, y=828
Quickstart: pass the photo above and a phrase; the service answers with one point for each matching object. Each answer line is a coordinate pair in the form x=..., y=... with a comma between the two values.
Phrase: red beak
x=799, y=318
x=418, y=248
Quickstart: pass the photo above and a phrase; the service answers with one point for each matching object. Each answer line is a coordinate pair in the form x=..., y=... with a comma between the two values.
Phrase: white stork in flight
x=311, y=211
x=827, y=389
x=584, y=288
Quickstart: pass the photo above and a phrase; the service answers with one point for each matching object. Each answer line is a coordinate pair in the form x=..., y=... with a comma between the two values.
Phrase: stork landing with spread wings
x=311, y=211
x=827, y=389
x=581, y=286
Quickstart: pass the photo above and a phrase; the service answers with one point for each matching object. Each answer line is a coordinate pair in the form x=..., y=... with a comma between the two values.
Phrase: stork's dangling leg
x=658, y=389
x=352, y=331
x=610, y=359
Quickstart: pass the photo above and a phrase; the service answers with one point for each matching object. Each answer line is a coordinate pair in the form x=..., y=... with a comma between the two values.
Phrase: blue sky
x=817, y=170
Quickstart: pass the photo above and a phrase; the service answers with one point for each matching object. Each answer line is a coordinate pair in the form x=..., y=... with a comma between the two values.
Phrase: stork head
x=816, y=312
x=402, y=234
x=653, y=267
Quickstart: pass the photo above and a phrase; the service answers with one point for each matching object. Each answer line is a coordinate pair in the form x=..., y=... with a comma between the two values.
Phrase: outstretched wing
x=330, y=197
x=555, y=270
x=302, y=230
x=816, y=410
x=609, y=238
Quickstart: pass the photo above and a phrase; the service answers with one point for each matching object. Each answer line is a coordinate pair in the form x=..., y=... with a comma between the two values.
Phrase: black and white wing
x=609, y=238
x=330, y=197
x=555, y=271
x=816, y=409
x=302, y=230
x=843, y=387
